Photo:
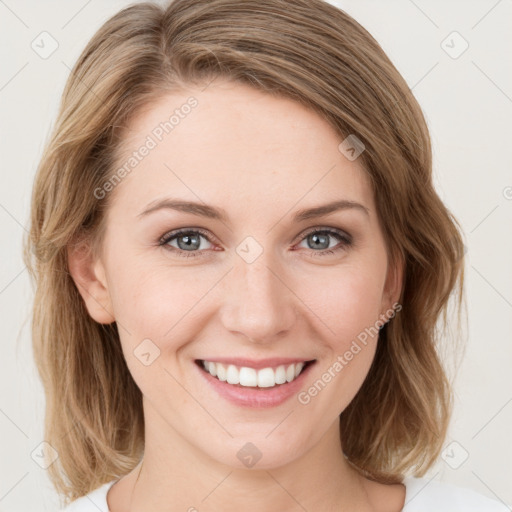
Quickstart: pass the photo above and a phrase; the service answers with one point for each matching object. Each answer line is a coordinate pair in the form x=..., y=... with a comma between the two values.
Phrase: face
x=261, y=281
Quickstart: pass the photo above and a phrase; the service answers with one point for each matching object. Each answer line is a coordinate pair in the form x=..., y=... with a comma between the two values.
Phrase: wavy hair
x=305, y=50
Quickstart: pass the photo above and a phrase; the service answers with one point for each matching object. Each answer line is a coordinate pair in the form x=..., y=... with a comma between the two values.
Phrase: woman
x=241, y=260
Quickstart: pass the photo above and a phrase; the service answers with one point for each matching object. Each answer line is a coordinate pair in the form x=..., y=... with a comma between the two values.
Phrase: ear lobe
x=89, y=278
x=393, y=286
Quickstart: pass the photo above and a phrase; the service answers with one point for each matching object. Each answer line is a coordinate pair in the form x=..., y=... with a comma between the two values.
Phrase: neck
x=177, y=474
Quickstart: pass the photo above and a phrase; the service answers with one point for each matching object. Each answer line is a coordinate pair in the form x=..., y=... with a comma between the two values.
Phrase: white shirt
x=421, y=495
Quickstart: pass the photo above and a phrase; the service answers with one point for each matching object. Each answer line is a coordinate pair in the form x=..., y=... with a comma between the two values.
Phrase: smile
x=251, y=377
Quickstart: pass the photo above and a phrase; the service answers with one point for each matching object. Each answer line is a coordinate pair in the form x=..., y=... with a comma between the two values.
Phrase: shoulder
x=423, y=495
x=95, y=501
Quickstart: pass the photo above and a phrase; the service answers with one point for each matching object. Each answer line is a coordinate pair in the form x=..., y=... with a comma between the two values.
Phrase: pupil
x=189, y=242
x=317, y=237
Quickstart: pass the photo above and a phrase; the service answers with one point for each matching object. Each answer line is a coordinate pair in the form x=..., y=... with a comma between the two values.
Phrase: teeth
x=250, y=377
x=212, y=369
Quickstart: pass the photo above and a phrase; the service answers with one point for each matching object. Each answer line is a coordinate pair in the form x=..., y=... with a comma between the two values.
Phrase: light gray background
x=467, y=101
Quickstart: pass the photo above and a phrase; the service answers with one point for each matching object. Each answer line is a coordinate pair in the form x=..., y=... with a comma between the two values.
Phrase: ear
x=89, y=277
x=393, y=285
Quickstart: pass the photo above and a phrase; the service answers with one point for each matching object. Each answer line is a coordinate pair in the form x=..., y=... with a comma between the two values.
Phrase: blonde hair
x=313, y=53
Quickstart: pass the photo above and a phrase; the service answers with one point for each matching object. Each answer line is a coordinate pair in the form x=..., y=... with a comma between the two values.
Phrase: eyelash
x=346, y=239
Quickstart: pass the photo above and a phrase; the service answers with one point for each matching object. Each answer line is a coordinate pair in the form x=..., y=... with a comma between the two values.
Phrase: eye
x=189, y=241
x=319, y=239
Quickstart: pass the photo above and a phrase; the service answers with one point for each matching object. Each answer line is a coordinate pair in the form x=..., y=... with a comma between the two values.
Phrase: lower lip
x=254, y=397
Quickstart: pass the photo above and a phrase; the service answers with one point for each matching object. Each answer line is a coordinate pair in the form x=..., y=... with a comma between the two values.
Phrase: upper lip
x=257, y=363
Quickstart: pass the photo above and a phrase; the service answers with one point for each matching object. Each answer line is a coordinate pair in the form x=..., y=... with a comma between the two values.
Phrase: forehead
x=238, y=145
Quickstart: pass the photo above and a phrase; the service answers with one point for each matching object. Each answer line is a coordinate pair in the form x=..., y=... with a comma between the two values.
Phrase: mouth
x=272, y=376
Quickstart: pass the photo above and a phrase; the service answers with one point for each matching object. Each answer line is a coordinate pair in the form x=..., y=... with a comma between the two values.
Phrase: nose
x=257, y=303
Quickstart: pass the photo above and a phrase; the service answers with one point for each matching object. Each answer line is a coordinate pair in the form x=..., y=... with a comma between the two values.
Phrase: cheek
x=346, y=302
x=154, y=301
x=158, y=310
x=152, y=308
x=348, y=307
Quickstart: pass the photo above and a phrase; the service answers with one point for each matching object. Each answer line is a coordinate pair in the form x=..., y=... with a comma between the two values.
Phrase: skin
x=260, y=158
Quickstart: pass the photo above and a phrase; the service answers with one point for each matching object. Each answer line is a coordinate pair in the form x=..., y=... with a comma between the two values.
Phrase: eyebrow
x=211, y=212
